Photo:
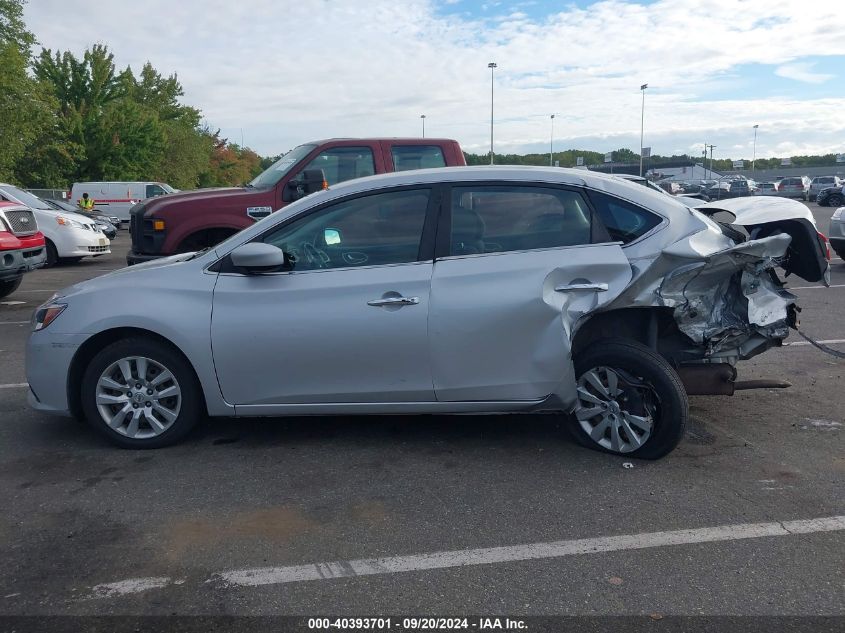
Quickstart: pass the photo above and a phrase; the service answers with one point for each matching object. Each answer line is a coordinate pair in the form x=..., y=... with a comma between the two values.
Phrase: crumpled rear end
x=731, y=296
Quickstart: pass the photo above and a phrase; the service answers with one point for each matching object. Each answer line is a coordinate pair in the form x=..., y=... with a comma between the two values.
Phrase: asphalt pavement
x=432, y=515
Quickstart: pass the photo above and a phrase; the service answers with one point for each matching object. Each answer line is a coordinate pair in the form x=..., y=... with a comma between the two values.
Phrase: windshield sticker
x=282, y=164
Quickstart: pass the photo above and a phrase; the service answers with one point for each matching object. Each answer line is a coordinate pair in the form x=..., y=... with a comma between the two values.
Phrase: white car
x=68, y=236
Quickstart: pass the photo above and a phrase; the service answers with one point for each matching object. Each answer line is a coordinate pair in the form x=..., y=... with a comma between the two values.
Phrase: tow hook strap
x=821, y=346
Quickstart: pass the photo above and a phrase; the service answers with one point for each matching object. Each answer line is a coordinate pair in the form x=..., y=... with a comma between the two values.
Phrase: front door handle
x=394, y=301
x=598, y=287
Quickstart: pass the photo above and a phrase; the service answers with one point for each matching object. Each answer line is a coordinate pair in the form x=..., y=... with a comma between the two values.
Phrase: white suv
x=68, y=236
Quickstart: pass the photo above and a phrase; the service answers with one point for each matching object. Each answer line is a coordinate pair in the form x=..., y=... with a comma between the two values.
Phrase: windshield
x=24, y=197
x=167, y=187
x=275, y=172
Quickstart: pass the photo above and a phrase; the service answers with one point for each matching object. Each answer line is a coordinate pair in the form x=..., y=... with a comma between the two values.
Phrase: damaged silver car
x=458, y=290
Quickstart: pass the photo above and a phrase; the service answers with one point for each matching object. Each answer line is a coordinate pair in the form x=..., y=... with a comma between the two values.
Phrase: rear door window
x=406, y=157
x=495, y=219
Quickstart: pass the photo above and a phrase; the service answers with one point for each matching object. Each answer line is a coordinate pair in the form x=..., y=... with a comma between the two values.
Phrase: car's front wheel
x=141, y=393
x=630, y=400
x=835, y=200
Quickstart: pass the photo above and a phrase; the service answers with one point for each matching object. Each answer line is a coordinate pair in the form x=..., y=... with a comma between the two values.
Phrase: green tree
x=26, y=110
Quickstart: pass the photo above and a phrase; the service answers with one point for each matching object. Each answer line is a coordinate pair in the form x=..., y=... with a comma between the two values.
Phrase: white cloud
x=802, y=71
x=291, y=72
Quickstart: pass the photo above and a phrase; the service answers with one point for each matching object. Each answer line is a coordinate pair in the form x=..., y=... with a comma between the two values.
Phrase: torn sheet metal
x=730, y=295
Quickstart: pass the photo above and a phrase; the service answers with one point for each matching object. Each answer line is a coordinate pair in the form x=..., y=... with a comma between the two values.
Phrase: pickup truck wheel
x=8, y=287
x=834, y=200
x=140, y=393
x=630, y=400
x=52, y=255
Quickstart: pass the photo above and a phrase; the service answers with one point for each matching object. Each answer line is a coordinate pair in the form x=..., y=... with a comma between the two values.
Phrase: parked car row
x=68, y=236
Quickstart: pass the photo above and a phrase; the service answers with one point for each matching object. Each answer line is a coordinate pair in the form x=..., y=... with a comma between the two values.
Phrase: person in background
x=85, y=203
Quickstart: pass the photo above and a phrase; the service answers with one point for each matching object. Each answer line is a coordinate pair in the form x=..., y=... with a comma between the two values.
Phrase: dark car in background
x=731, y=187
x=831, y=197
x=823, y=182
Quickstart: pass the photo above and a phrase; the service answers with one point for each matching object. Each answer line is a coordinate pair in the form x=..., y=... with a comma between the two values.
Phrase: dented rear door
x=500, y=320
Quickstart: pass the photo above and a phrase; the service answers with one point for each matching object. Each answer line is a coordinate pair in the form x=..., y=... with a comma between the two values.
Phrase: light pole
x=552, y=141
x=422, y=116
x=754, y=157
x=492, y=66
x=642, y=127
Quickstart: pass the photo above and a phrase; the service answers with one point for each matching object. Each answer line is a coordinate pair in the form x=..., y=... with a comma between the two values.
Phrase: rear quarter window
x=624, y=221
x=407, y=157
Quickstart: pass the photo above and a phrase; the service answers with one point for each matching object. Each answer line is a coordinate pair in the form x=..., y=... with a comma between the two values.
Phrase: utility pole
x=711, y=163
x=422, y=116
x=552, y=142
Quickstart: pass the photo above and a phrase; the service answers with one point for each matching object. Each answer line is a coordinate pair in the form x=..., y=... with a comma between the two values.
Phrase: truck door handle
x=598, y=287
x=394, y=301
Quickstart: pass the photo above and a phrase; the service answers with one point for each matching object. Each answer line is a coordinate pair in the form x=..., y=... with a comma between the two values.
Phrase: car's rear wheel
x=140, y=393
x=8, y=287
x=835, y=200
x=630, y=400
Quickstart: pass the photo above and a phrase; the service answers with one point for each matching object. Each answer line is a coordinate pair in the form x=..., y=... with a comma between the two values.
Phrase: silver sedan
x=459, y=290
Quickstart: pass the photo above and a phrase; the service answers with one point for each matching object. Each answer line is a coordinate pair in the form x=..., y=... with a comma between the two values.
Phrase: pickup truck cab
x=21, y=245
x=192, y=220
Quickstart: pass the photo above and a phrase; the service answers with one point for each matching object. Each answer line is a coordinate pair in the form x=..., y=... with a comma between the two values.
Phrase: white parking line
x=832, y=341
x=14, y=322
x=261, y=576
x=15, y=385
x=815, y=287
x=461, y=558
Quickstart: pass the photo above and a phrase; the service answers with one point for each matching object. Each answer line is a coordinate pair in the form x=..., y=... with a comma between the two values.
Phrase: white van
x=116, y=198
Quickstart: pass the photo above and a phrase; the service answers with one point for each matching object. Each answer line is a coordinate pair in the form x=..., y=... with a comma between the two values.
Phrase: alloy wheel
x=138, y=397
x=616, y=410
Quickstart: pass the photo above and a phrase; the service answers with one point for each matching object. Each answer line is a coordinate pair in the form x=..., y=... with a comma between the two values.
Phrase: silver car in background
x=455, y=290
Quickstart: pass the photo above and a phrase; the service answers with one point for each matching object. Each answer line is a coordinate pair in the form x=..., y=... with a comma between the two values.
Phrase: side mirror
x=310, y=181
x=257, y=257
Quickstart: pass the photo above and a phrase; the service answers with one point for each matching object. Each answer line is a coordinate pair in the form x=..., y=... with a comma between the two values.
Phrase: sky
x=278, y=73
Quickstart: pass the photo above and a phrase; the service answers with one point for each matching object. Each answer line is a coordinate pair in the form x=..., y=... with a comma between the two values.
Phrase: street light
x=422, y=116
x=642, y=126
x=552, y=141
x=754, y=158
x=492, y=66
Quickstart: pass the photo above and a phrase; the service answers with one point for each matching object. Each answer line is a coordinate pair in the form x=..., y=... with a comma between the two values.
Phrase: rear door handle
x=394, y=301
x=598, y=287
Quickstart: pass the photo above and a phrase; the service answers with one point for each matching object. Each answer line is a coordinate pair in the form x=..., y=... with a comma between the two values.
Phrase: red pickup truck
x=21, y=245
x=192, y=220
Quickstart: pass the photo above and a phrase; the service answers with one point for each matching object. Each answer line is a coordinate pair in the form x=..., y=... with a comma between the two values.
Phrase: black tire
x=52, y=255
x=655, y=390
x=834, y=200
x=9, y=286
x=191, y=408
